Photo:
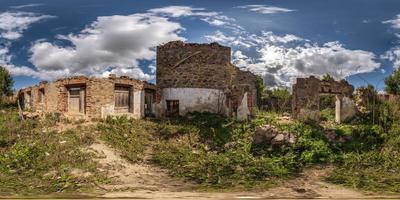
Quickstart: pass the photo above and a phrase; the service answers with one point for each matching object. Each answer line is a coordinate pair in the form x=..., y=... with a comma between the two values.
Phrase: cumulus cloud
x=280, y=59
x=111, y=44
x=394, y=22
x=264, y=9
x=393, y=54
x=12, y=24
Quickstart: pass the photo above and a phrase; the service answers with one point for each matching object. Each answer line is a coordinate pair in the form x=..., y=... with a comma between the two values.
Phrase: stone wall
x=98, y=96
x=186, y=65
x=306, y=97
x=196, y=66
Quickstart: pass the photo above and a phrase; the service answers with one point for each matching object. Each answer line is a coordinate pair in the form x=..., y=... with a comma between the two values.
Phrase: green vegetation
x=260, y=89
x=371, y=160
x=35, y=159
x=282, y=95
x=129, y=136
x=218, y=153
x=6, y=83
x=327, y=77
x=214, y=151
x=393, y=83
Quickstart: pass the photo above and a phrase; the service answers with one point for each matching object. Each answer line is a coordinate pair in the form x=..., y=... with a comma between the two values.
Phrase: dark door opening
x=148, y=102
x=172, y=108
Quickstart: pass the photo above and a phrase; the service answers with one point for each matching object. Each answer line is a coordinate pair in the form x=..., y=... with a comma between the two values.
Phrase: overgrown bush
x=36, y=160
x=217, y=151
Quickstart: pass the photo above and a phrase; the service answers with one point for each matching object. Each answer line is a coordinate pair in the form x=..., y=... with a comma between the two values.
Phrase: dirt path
x=147, y=181
x=126, y=176
x=144, y=180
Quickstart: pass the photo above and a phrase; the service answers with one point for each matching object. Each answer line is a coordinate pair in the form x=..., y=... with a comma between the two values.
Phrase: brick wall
x=99, y=94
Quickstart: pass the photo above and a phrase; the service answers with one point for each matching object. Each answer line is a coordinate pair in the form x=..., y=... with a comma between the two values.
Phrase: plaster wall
x=195, y=99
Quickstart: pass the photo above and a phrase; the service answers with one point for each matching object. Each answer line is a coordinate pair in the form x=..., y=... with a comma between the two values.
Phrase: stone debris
x=269, y=134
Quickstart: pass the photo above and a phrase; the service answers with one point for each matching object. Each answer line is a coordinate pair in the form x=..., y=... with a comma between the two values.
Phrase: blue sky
x=279, y=39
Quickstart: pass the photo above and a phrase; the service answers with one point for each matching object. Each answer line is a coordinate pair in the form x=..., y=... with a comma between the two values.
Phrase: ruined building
x=306, y=98
x=82, y=97
x=190, y=77
x=200, y=77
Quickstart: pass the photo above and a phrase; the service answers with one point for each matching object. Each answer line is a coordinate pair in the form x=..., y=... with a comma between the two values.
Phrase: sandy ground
x=146, y=181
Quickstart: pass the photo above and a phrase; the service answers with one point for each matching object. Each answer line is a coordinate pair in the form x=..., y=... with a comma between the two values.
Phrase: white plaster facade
x=243, y=111
x=194, y=99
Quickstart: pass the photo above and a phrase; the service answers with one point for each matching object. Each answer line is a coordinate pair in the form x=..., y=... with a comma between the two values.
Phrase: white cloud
x=219, y=37
x=263, y=9
x=211, y=17
x=111, y=44
x=182, y=11
x=393, y=55
x=12, y=24
x=280, y=59
x=394, y=22
x=26, y=5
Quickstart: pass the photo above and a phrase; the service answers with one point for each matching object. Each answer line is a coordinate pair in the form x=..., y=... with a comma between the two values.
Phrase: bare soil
x=144, y=180
x=126, y=176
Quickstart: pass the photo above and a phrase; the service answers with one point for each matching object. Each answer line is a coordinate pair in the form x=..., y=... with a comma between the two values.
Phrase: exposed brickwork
x=99, y=92
x=179, y=65
x=187, y=65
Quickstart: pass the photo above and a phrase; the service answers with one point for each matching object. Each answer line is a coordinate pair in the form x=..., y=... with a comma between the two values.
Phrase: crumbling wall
x=187, y=65
x=99, y=99
x=306, y=98
x=199, y=66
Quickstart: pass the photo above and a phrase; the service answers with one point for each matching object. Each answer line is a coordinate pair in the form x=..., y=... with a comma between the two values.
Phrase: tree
x=282, y=95
x=6, y=83
x=260, y=89
x=392, y=83
x=327, y=77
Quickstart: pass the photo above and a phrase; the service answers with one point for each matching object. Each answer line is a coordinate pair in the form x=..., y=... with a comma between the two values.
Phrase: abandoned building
x=306, y=98
x=200, y=77
x=190, y=77
x=82, y=97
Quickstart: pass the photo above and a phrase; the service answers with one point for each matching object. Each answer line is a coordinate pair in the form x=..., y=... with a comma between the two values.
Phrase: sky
x=280, y=40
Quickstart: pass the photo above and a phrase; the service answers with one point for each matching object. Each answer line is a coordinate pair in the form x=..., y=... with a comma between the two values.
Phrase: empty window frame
x=172, y=108
x=122, y=98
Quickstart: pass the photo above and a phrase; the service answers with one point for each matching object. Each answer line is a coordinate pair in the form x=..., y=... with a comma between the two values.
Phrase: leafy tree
x=260, y=89
x=327, y=77
x=6, y=83
x=282, y=95
x=393, y=83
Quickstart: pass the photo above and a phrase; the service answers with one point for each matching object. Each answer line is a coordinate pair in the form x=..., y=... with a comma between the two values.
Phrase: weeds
x=34, y=161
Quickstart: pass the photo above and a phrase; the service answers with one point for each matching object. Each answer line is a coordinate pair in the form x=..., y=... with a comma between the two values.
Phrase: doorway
x=76, y=99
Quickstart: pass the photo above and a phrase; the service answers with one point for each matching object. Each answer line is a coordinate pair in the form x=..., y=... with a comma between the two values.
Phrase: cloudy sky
x=358, y=40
